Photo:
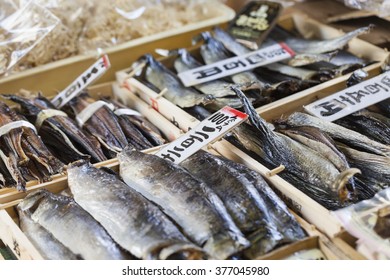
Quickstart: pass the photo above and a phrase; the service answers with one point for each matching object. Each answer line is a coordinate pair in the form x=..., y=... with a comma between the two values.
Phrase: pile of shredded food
x=90, y=24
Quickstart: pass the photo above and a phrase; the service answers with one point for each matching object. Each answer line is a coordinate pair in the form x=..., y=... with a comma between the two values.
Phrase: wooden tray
x=167, y=128
x=58, y=75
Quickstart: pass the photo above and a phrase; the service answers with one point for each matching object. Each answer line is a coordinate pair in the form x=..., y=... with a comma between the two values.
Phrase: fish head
x=208, y=99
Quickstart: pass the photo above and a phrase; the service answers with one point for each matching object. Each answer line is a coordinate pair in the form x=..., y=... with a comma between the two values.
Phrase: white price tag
x=90, y=75
x=204, y=133
x=236, y=64
x=352, y=99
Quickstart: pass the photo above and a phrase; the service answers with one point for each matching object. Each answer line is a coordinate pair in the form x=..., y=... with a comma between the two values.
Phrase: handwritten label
x=352, y=99
x=204, y=133
x=235, y=64
x=90, y=75
x=255, y=21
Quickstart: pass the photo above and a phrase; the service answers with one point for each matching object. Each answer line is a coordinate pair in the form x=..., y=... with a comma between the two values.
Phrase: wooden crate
x=22, y=248
x=58, y=75
x=297, y=200
x=170, y=131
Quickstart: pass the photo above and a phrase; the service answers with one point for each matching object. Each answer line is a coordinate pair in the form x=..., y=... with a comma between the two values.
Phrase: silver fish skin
x=133, y=222
x=162, y=78
x=238, y=49
x=190, y=202
x=322, y=46
x=72, y=226
x=217, y=88
x=249, y=200
x=213, y=51
x=49, y=247
x=339, y=133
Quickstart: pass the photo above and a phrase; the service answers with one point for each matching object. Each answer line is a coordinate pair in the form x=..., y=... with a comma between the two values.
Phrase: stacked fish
x=315, y=62
x=159, y=210
x=321, y=158
x=98, y=131
x=23, y=156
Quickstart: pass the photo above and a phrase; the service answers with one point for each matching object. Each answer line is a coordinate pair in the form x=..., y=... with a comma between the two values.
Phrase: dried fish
x=59, y=132
x=71, y=225
x=103, y=125
x=23, y=155
x=134, y=222
x=373, y=125
x=46, y=244
x=213, y=51
x=320, y=142
x=312, y=173
x=217, y=88
x=316, y=46
x=138, y=130
x=254, y=207
x=163, y=78
x=375, y=168
x=339, y=133
x=187, y=200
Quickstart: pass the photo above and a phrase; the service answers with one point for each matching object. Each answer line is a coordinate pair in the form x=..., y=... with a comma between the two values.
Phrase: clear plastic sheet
x=369, y=221
x=381, y=7
x=21, y=31
x=87, y=25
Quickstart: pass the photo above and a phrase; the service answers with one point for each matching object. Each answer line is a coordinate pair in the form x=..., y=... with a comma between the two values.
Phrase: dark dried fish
x=103, y=125
x=254, y=207
x=23, y=155
x=187, y=200
x=310, y=171
x=339, y=133
x=162, y=78
x=370, y=124
x=58, y=131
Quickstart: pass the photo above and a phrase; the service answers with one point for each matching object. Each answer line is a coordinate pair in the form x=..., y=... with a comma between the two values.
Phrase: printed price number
x=233, y=270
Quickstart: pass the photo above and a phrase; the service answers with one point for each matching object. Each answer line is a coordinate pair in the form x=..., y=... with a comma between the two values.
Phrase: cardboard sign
x=352, y=99
x=90, y=75
x=236, y=64
x=209, y=130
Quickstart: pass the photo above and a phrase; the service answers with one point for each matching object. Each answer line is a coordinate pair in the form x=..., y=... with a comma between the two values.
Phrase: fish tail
x=263, y=240
x=222, y=245
x=182, y=251
x=345, y=188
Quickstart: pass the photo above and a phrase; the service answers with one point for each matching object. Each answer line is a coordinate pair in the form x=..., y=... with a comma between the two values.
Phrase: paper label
x=204, y=133
x=352, y=99
x=90, y=75
x=127, y=111
x=13, y=125
x=237, y=64
x=90, y=110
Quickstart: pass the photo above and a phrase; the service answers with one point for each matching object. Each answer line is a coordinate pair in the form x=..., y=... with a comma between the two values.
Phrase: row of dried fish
x=209, y=207
x=322, y=61
x=334, y=165
x=86, y=128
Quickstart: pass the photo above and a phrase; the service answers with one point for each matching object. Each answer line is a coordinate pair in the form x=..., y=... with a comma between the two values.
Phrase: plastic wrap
x=381, y=7
x=369, y=221
x=21, y=31
x=87, y=25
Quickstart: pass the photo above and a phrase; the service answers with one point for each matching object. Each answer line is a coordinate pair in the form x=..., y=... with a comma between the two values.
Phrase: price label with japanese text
x=208, y=131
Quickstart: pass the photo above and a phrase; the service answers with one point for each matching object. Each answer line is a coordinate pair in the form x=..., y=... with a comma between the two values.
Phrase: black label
x=255, y=20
